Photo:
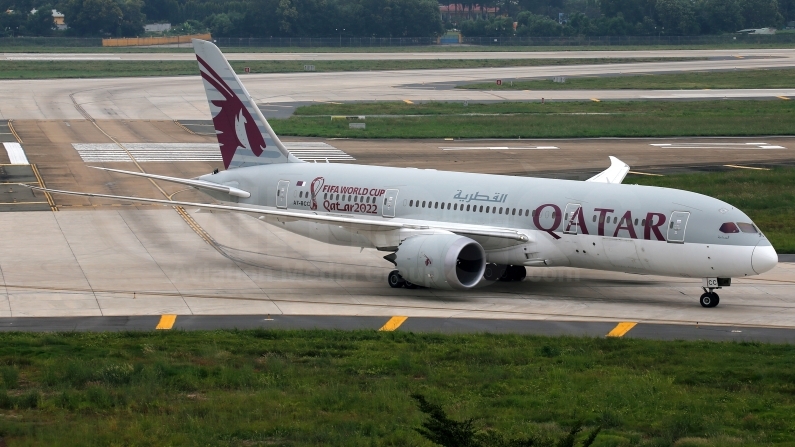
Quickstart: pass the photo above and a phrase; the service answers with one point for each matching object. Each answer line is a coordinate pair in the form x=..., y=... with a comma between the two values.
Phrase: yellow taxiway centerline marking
x=621, y=329
x=746, y=167
x=166, y=322
x=393, y=324
x=783, y=97
x=595, y=100
x=408, y=101
x=646, y=173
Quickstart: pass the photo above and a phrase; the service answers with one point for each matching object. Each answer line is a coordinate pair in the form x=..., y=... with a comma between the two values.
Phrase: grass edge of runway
x=559, y=119
x=352, y=388
x=735, y=79
x=391, y=49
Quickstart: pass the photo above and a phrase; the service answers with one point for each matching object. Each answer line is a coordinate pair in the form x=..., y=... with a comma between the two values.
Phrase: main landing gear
x=507, y=273
x=396, y=281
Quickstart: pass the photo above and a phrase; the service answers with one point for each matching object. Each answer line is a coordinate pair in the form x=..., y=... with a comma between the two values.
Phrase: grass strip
x=779, y=78
x=393, y=49
x=550, y=120
x=99, y=69
x=768, y=197
x=337, y=388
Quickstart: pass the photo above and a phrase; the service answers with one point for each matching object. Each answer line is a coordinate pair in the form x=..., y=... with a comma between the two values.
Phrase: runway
x=182, y=98
x=407, y=55
x=97, y=265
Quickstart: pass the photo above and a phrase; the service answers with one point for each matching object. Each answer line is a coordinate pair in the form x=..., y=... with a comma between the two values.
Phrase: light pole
x=340, y=31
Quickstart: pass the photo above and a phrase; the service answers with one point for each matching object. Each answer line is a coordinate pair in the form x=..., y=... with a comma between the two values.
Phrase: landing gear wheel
x=709, y=299
x=494, y=272
x=409, y=285
x=514, y=273
x=395, y=280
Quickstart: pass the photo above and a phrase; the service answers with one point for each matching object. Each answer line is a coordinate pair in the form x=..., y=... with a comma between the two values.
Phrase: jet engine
x=441, y=261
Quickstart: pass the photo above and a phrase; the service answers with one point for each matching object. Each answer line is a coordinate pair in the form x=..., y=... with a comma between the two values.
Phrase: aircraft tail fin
x=245, y=137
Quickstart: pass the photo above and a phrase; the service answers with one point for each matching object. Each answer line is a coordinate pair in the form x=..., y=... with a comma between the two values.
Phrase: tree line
x=624, y=17
x=395, y=18
x=234, y=18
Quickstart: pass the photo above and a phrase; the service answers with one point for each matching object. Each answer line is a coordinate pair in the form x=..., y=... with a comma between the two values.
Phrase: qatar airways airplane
x=453, y=230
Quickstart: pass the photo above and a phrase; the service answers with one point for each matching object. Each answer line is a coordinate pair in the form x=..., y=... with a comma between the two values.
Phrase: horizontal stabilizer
x=614, y=174
x=201, y=184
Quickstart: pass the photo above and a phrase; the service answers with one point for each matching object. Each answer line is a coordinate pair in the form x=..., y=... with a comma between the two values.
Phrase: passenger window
x=487, y=209
x=747, y=228
x=481, y=208
x=525, y=212
x=513, y=212
x=501, y=211
x=423, y=204
x=615, y=219
x=594, y=217
x=729, y=227
x=411, y=203
x=448, y=206
x=455, y=207
x=643, y=223
x=636, y=221
x=467, y=207
x=436, y=205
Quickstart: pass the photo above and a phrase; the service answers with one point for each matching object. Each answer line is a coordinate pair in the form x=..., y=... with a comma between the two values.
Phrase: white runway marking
x=701, y=145
x=16, y=154
x=159, y=152
x=495, y=148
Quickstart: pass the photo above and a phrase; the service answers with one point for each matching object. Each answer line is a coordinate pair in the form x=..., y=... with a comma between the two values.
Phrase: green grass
x=99, y=69
x=784, y=78
x=227, y=388
x=768, y=197
x=392, y=49
x=551, y=120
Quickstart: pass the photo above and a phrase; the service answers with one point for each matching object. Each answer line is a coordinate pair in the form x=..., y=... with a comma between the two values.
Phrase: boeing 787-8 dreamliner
x=453, y=230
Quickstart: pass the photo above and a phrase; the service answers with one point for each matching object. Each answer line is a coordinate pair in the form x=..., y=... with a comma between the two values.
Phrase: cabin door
x=677, y=226
x=390, y=202
x=281, y=194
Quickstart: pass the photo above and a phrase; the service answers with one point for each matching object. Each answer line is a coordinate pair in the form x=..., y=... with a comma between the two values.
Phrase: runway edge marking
x=621, y=329
x=166, y=322
x=393, y=324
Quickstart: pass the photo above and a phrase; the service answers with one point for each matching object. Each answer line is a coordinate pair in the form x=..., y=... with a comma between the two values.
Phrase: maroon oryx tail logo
x=314, y=188
x=428, y=261
x=234, y=126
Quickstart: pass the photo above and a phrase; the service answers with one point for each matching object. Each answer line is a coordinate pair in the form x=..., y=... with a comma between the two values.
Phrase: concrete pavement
x=169, y=98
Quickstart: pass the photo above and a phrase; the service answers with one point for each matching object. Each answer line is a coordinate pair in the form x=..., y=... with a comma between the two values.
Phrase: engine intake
x=441, y=261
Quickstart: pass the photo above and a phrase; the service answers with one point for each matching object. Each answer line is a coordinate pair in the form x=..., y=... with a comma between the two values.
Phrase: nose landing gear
x=709, y=299
x=709, y=285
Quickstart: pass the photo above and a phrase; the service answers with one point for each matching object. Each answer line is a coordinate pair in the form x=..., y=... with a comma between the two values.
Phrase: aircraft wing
x=350, y=222
x=614, y=174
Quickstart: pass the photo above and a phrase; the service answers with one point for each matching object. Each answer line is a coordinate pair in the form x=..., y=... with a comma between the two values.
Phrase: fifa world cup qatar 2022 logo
x=314, y=188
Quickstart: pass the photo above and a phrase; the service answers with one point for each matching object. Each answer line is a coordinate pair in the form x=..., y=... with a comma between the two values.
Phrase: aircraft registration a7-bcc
x=452, y=230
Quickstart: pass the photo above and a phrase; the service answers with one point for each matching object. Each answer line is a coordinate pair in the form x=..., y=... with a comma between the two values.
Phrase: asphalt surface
x=400, y=324
x=183, y=98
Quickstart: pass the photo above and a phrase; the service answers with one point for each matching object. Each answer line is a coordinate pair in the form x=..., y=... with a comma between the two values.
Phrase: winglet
x=614, y=174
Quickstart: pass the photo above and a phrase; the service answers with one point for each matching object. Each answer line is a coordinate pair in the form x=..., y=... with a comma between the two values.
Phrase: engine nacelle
x=441, y=261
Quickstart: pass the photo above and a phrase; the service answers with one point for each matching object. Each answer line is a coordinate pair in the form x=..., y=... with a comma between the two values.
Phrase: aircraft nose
x=764, y=257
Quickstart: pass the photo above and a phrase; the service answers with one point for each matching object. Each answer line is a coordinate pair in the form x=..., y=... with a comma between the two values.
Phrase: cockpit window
x=729, y=227
x=747, y=228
